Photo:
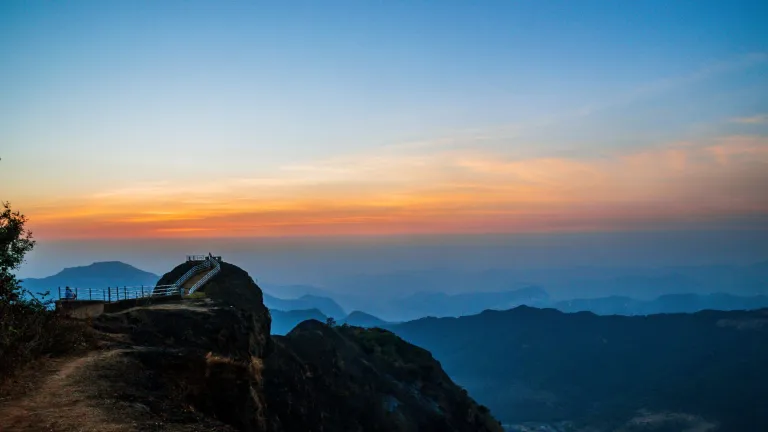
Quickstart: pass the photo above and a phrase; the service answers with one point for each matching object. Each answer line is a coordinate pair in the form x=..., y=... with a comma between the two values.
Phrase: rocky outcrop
x=187, y=362
x=210, y=364
x=345, y=378
x=232, y=287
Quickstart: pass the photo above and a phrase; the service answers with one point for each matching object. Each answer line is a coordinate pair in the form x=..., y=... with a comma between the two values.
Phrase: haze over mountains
x=627, y=291
x=97, y=275
x=284, y=321
x=323, y=304
x=409, y=295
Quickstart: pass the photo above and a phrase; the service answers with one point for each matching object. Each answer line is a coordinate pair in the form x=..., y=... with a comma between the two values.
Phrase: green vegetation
x=15, y=242
x=28, y=327
x=197, y=295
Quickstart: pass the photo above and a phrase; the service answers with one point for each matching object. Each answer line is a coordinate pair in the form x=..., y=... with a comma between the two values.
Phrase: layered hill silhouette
x=97, y=275
x=560, y=283
x=306, y=302
x=440, y=304
x=362, y=319
x=284, y=321
x=675, y=281
x=670, y=303
x=543, y=365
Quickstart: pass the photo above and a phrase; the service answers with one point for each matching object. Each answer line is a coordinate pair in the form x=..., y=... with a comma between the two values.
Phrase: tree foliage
x=15, y=242
x=28, y=327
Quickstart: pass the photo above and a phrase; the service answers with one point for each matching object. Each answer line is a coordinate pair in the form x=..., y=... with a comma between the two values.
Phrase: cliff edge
x=209, y=364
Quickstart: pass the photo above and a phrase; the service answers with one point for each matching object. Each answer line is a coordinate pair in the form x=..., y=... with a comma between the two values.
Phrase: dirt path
x=58, y=401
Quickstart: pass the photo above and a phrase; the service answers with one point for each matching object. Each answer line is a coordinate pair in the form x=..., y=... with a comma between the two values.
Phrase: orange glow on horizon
x=440, y=193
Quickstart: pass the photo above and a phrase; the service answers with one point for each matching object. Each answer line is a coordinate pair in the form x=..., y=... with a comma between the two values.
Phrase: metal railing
x=193, y=271
x=113, y=294
x=216, y=268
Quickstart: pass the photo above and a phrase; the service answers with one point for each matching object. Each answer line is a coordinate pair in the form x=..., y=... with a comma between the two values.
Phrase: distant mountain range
x=442, y=305
x=438, y=304
x=412, y=306
x=686, y=371
x=285, y=321
x=373, y=293
x=362, y=319
x=306, y=302
x=96, y=276
x=670, y=303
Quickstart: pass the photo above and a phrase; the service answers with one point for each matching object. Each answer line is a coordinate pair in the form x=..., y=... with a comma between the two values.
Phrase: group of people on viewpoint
x=69, y=294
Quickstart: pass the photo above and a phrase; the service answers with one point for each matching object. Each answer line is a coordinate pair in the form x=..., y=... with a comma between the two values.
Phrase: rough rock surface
x=210, y=364
x=346, y=378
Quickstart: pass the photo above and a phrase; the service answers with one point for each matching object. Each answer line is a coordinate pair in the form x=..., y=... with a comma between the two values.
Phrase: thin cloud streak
x=755, y=119
x=665, y=85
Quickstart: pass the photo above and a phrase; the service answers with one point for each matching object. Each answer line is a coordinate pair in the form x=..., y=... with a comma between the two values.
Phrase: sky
x=185, y=121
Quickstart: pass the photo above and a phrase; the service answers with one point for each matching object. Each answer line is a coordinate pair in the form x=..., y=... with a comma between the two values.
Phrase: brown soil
x=106, y=389
x=55, y=400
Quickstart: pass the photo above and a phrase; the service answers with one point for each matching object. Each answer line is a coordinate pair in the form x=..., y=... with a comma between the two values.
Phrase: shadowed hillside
x=543, y=365
x=352, y=379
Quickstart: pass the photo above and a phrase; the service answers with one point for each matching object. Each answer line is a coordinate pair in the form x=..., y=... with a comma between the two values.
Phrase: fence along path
x=187, y=284
x=116, y=293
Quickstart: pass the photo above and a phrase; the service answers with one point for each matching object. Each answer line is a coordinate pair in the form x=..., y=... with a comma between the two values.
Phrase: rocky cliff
x=210, y=364
x=345, y=378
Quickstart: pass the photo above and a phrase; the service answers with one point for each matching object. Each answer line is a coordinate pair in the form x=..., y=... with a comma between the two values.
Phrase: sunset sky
x=126, y=120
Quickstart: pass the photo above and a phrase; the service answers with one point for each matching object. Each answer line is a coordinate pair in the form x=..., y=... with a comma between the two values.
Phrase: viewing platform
x=90, y=302
x=196, y=258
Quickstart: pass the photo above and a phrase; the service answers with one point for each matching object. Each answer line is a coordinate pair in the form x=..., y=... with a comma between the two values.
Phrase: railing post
x=109, y=294
x=76, y=291
x=142, y=291
x=59, y=293
x=90, y=294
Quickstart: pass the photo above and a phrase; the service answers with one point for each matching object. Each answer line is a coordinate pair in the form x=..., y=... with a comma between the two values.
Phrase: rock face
x=346, y=378
x=189, y=363
x=210, y=364
x=232, y=286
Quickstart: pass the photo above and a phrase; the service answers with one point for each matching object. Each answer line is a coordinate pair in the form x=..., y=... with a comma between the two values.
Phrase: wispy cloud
x=755, y=119
x=661, y=86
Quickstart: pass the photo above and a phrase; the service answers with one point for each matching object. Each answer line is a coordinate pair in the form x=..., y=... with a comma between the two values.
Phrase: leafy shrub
x=28, y=327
